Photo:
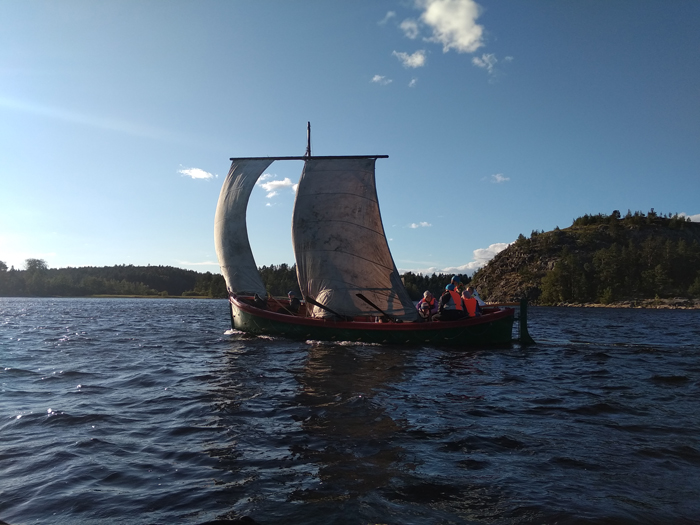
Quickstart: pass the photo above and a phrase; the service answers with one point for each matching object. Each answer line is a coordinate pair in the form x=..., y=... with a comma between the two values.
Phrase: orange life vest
x=430, y=302
x=457, y=299
x=470, y=305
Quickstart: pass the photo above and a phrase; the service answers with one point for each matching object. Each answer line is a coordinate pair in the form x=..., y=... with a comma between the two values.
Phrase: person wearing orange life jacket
x=427, y=306
x=450, y=307
x=459, y=287
x=471, y=302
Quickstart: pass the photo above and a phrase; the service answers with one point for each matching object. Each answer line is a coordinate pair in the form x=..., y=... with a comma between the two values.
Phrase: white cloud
x=484, y=255
x=382, y=80
x=273, y=186
x=498, y=178
x=412, y=83
x=694, y=218
x=481, y=257
x=420, y=225
x=417, y=59
x=410, y=28
x=389, y=15
x=196, y=173
x=453, y=23
x=486, y=61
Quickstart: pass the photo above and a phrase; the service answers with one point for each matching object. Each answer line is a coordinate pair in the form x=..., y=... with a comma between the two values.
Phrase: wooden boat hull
x=493, y=328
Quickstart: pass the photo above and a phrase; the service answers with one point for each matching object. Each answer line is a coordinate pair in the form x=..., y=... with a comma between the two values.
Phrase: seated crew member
x=259, y=302
x=459, y=287
x=470, y=303
x=427, y=306
x=292, y=308
x=294, y=303
x=475, y=294
x=450, y=307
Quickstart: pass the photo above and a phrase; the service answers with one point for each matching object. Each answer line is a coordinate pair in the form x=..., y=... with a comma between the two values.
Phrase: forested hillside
x=599, y=259
x=38, y=280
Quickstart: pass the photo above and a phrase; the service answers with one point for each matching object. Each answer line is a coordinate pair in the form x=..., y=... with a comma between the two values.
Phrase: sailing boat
x=351, y=287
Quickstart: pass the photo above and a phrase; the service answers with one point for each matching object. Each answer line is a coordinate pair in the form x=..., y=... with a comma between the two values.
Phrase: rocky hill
x=601, y=259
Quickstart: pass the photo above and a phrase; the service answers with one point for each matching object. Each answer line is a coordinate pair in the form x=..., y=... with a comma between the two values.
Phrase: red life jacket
x=431, y=302
x=470, y=305
x=457, y=299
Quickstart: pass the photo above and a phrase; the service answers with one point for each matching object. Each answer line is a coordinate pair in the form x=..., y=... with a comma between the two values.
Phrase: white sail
x=230, y=230
x=339, y=242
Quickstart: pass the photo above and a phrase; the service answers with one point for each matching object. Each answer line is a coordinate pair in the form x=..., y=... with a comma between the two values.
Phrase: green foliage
x=567, y=281
x=416, y=284
x=694, y=288
x=280, y=279
x=39, y=280
x=607, y=258
x=606, y=296
x=521, y=241
x=35, y=265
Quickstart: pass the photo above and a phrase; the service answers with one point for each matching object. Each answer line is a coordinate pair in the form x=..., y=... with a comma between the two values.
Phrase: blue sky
x=117, y=120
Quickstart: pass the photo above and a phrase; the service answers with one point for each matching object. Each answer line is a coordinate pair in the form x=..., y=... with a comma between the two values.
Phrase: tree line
x=38, y=280
x=606, y=258
x=655, y=267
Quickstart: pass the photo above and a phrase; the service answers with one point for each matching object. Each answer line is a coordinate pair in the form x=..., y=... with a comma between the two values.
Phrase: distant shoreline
x=648, y=304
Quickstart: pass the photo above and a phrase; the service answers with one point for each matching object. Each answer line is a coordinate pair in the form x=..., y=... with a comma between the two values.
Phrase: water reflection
x=304, y=422
x=349, y=433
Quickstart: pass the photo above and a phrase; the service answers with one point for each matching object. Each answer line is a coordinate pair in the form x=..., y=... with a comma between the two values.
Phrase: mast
x=308, y=140
x=307, y=155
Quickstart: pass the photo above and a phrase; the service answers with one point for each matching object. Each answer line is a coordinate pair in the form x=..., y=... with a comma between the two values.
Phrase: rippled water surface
x=147, y=411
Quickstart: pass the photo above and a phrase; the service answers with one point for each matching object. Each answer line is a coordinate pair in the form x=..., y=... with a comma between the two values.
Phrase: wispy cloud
x=417, y=59
x=413, y=82
x=498, y=178
x=196, y=173
x=272, y=187
x=420, y=225
x=453, y=24
x=486, y=61
x=410, y=28
x=381, y=80
x=98, y=122
x=389, y=15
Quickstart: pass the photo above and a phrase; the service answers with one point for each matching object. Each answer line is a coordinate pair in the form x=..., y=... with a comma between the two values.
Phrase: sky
x=118, y=120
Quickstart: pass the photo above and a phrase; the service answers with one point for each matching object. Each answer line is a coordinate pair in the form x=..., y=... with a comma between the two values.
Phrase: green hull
x=494, y=328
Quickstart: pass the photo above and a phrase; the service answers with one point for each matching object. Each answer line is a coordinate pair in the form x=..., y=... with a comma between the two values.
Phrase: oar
x=393, y=319
x=323, y=306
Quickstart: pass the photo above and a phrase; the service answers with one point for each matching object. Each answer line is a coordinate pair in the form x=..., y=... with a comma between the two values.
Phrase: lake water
x=148, y=412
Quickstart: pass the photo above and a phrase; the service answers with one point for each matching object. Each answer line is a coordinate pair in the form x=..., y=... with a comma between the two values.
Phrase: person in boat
x=292, y=307
x=259, y=302
x=427, y=306
x=450, y=307
x=475, y=294
x=457, y=282
x=294, y=302
x=471, y=304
